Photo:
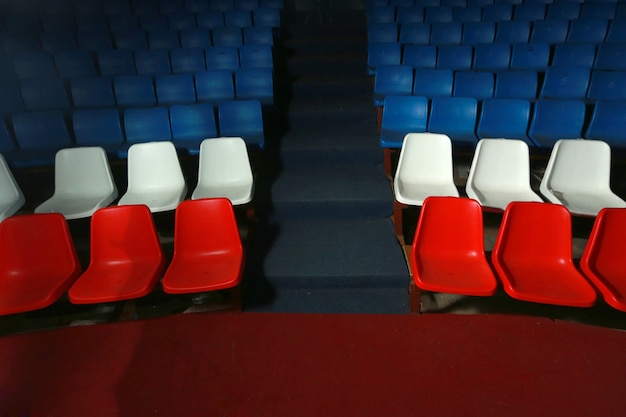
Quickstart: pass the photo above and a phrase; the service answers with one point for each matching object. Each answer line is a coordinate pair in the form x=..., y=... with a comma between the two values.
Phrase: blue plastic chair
x=476, y=84
x=11, y=98
x=563, y=10
x=255, y=84
x=455, y=117
x=607, y=85
x=152, y=61
x=402, y=3
x=227, y=36
x=39, y=135
x=134, y=90
x=415, y=34
x=222, y=58
x=273, y=4
x=191, y=124
x=419, y=56
x=182, y=20
x=92, y=92
x=23, y=22
x=72, y=63
x=163, y=39
x=382, y=54
x=57, y=41
x=446, y=33
x=98, y=127
x=574, y=55
x=117, y=7
x=512, y=32
x=145, y=125
x=499, y=12
x=409, y=14
x=195, y=38
x=492, y=56
x=175, y=89
x=169, y=7
x=565, y=83
x=551, y=31
x=587, y=30
x=145, y=7
x=266, y=16
x=381, y=14
x=438, y=14
x=530, y=56
x=237, y=18
x=130, y=39
x=467, y=14
x=607, y=123
x=617, y=31
x=529, y=11
x=222, y=5
x=44, y=93
x=213, y=86
x=556, y=119
x=210, y=19
x=611, y=56
x=396, y=80
x=516, y=84
x=197, y=6
x=112, y=62
x=506, y=118
x=382, y=32
x=478, y=33
x=454, y=57
x=256, y=56
x=432, y=82
x=402, y=115
x=94, y=40
x=15, y=44
x=126, y=21
x=95, y=21
x=598, y=10
x=242, y=118
x=258, y=35
x=246, y=4
x=187, y=60
x=34, y=65
x=154, y=21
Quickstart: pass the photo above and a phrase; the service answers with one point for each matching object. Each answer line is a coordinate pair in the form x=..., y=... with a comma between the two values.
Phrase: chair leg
x=415, y=298
x=129, y=311
x=235, y=299
x=379, y=118
x=387, y=162
x=398, y=211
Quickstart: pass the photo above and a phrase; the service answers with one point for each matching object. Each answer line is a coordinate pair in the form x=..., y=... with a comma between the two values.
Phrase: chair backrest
x=187, y=60
x=122, y=21
x=258, y=35
x=214, y=86
x=578, y=166
x=266, y=16
x=574, y=55
x=134, y=90
x=92, y=92
x=492, y=56
x=454, y=117
x=44, y=93
x=617, y=31
x=607, y=85
x=224, y=170
x=512, y=32
x=382, y=53
x=607, y=122
x=529, y=11
x=504, y=118
x=497, y=12
x=133, y=38
x=41, y=130
x=237, y=18
x=429, y=82
x=175, y=89
x=402, y=115
x=438, y=14
x=227, y=36
x=414, y=34
x=195, y=38
x=409, y=13
x=147, y=125
x=112, y=62
x=192, y=122
x=446, y=33
x=556, y=119
x=255, y=84
x=516, y=84
x=425, y=168
x=382, y=32
x=478, y=32
x=420, y=56
x=34, y=64
x=39, y=255
x=242, y=118
x=152, y=61
x=563, y=11
x=478, y=85
x=455, y=57
x=587, y=30
x=209, y=19
x=222, y=58
x=163, y=39
x=97, y=127
x=53, y=41
x=11, y=195
x=124, y=234
x=74, y=63
x=500, y=166
x=598, y=10
x=392, y=80
x=466, y=14
x=530, y=56
x=256, y=56
x=154, y=166
x=182, y=20
x=565, y=83
x=611, y=56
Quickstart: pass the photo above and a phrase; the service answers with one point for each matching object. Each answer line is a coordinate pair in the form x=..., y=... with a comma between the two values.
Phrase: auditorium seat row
x=404, y=11
x=519, y=56
x=471, y=33
x=532, y=264
x=127, y=261
x=33, y=138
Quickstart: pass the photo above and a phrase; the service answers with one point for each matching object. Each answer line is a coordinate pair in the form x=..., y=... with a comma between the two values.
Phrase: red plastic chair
x=602, y=260
x=208, y=253
x=448, y=253
x=38, y=261
x=533, y=256
x=126, y=257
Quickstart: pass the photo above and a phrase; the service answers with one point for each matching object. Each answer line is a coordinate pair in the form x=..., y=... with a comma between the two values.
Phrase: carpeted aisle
x=280, y=365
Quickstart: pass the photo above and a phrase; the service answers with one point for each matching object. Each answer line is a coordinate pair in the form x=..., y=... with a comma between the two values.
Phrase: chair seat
x=75, y=207
x=237, y=193
x=468, y=276
x=115, y=281
x=209, y=272
x=589, y=204
x=416, y=193
x=500, y=199
x=157, y=201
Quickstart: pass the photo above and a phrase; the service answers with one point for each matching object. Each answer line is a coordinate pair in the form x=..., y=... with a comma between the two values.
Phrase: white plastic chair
x=424, y=169
x=155, y=177
x=578, y=176
x=224, y=171
x=500, y=173
x=11, y=196
x=83, y=183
